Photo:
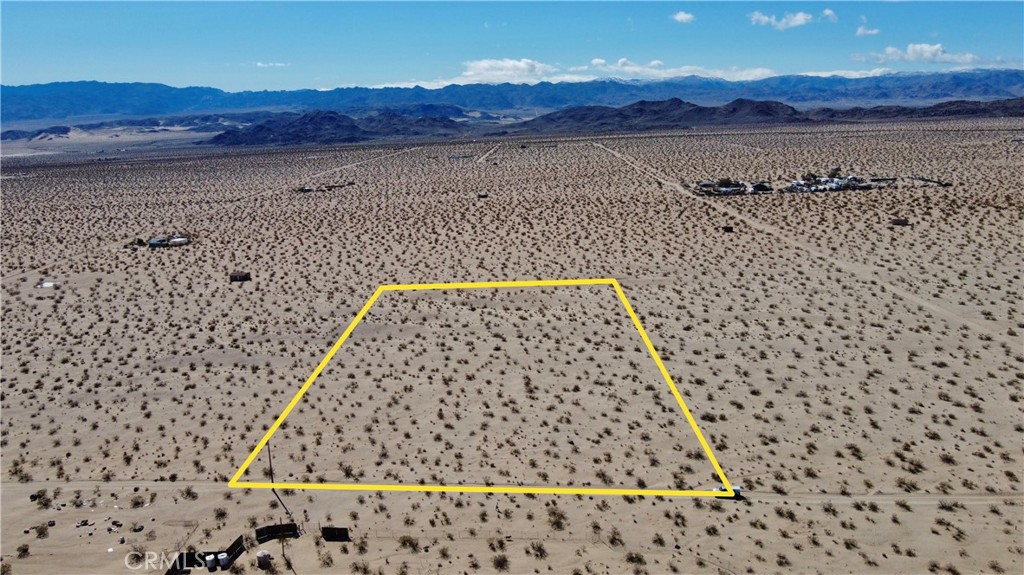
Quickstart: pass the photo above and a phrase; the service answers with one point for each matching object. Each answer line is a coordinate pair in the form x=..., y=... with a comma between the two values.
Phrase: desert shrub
x=410, y=543
x=500, y=563
x=43, y=499
x=635, y=558
x=556, y=518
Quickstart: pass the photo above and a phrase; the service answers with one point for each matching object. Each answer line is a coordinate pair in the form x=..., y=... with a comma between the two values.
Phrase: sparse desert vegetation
x=862, y=382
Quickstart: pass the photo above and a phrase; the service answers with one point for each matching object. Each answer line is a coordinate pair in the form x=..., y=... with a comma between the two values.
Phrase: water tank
x=222, y=560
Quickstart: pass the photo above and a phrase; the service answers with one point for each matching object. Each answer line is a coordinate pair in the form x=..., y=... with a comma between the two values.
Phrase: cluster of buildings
x=828, y=184
x=171, y=241
x=808, y=184
x=729, y=187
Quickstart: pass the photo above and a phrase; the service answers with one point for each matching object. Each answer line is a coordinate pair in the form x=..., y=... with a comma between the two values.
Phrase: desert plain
x=861, y=381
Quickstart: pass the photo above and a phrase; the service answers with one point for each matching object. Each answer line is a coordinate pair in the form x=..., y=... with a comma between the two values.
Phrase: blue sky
x=269, y=45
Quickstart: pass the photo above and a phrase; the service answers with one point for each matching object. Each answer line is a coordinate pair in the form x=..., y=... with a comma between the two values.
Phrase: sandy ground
x=862, y=382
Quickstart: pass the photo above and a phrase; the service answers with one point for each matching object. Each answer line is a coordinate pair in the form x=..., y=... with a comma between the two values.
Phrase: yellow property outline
x=728, y=492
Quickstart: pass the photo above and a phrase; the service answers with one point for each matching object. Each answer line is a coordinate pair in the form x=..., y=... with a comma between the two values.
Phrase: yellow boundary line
x=729, y=492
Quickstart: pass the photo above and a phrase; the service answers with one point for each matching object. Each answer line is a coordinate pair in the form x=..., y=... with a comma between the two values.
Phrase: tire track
x=484, y=157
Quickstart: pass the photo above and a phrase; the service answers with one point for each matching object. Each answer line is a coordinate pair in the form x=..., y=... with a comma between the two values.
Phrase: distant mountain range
x=78, y=99
x=675, y=114
x=325, y=127
x=1010, y=108
x=333, y=128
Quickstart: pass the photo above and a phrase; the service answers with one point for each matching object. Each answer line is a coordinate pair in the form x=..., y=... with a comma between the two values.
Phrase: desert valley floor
x=863, y=382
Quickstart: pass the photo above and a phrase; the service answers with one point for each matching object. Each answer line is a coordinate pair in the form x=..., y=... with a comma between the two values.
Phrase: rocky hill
x=677, y=114
x=320, y=127
x=325, y=127
x=664, y=115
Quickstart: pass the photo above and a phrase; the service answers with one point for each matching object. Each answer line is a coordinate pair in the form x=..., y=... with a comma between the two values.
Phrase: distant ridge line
x=643, y=116
x=69, y=99
x=325, y=127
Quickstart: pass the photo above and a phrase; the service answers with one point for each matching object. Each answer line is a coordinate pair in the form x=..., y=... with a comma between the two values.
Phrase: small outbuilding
x=335, y=534
x=901, y=222
x=727, y=229
x=272, y=532
x=240, y=277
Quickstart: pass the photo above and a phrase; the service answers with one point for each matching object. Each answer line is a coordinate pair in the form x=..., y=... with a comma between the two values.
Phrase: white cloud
x=272, y=65
x=787, y=21
x=830, y=15
x=500, y=71
x=863, y=29
x=527, y=71
x=683, y=17
x=761, y=20
x=655, y=70
x=570, y=78
x=494, y=71
x=850, y=73
x=933, y=53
